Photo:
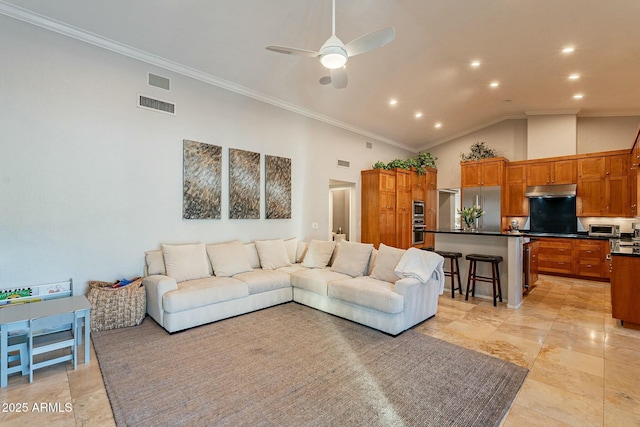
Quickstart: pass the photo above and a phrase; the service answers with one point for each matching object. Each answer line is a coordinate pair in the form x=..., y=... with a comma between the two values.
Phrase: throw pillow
x=352, y=258
x=186, y=262
x=272, y=254
x=292, y=246
x=155, y=263
x=318, y=254
x=252, y=254
x=386, y=261
x=228, y=258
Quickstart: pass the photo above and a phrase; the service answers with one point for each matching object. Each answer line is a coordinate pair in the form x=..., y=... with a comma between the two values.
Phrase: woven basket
x=116, y=308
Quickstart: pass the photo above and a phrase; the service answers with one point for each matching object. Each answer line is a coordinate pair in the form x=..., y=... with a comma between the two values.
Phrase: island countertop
x=523, y=233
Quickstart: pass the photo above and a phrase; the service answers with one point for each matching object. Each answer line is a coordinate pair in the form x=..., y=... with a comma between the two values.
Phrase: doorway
x=448, y=205
x=341, y=214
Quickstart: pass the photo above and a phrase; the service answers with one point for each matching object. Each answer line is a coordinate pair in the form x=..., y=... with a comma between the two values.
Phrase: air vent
x=159, y=81
x=344, y=164
x=369, y=145
x=156, y=104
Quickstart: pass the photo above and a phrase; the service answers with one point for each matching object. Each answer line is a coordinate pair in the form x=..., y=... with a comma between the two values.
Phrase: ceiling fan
x=334, y=54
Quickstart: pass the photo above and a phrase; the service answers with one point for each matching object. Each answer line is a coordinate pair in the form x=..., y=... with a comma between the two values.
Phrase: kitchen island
x=488, y=242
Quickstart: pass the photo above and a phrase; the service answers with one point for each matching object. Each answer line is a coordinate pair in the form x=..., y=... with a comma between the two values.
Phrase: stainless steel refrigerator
x=488, y=198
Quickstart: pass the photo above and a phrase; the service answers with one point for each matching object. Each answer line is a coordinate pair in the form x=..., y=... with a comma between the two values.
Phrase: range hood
x=558, y=190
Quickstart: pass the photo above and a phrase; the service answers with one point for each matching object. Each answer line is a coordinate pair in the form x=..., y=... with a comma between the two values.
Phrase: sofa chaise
x=387, y=289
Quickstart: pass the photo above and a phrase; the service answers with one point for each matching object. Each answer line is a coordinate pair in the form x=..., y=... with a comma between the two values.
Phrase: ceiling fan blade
x=293, y=51
x=339, y=78
x=370, y=41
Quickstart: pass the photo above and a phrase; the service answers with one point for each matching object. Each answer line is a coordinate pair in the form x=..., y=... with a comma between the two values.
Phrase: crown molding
x=59, y=27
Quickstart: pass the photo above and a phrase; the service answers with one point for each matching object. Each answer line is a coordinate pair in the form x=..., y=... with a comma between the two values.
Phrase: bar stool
x=454, y=270
x=473, y=276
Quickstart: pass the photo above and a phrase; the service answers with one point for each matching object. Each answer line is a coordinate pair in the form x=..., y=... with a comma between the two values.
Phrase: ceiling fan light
x=333, y=57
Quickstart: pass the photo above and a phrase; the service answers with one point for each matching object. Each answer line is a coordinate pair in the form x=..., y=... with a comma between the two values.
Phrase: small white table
x=16, y=317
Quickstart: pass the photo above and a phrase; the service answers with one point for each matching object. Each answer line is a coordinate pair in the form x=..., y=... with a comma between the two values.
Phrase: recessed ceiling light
x=574, y=76
x=418, y=115
x=568, y=49
x=475, y=64
x=494, y=84
x=438, y=125
x=578, y=96
x=393, y=101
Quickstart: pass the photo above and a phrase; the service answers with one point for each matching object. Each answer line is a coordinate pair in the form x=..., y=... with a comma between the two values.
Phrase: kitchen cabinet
x=555, y=256
x=387, y=205
x=552, y=172
x=585, y=258
x=516, y=204
x=485, y=172
x=591, y=256
x=404, y=209
x=431, y=205
x=378, y=207
x=603, y=186
x=634, y=176
x=418, y=186
x=625, y=298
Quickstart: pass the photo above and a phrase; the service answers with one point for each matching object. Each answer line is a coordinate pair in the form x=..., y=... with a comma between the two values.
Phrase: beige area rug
x=291, y=365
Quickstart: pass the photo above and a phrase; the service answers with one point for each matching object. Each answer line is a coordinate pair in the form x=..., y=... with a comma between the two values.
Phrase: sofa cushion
x=202, y=292
x=155, y=263
x=291, y=245
x=316, y=279
x=318, y=254
x=186, y=262
x=228, y=258
x=386, y=260
x=352, y=258
x=272, y=253
x=368, y=292
x=293, y=268
x=264, y=280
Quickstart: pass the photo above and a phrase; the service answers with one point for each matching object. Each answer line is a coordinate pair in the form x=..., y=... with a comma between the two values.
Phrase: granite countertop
x=522, y=233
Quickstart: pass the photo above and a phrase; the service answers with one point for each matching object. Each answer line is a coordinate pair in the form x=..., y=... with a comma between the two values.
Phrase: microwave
x=604, y=230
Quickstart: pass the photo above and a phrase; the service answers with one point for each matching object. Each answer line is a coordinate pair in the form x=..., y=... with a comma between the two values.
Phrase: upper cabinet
x=515, y=202
x=553, y=172
x=634, y=176
x=485, y=172
x=603, y=186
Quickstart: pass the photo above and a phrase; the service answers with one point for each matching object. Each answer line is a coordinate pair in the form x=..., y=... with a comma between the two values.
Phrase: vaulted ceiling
x=427, y=68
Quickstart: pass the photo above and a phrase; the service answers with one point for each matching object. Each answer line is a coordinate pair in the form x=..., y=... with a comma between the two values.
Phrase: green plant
x=479, y=150
x=419, y=162
x=379, y=165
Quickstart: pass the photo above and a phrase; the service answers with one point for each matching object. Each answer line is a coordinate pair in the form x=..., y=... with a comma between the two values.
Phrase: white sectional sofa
x=387, y=289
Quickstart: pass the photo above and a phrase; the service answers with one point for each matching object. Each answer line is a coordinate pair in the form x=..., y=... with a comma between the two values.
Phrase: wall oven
x=418, y=208
x=418, y=223
x=418, y=232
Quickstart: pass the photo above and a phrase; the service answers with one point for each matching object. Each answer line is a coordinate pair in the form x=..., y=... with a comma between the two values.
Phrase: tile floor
x=584, y=368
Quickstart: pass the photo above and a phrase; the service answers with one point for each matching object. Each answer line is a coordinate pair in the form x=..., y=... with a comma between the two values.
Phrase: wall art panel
x=244, y=184
x=278, y=187
x=202, y=184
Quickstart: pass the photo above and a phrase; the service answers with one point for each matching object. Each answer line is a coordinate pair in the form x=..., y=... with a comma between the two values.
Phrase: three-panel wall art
x=202, y=181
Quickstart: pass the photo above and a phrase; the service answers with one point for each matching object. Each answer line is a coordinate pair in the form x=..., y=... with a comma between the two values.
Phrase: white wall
x=551, y=135
x=508, y=138
x=88, y=181
x=614, y=133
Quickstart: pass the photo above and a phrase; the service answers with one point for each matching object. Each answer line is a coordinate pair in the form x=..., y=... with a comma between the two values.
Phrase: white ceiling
x=426, y=68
